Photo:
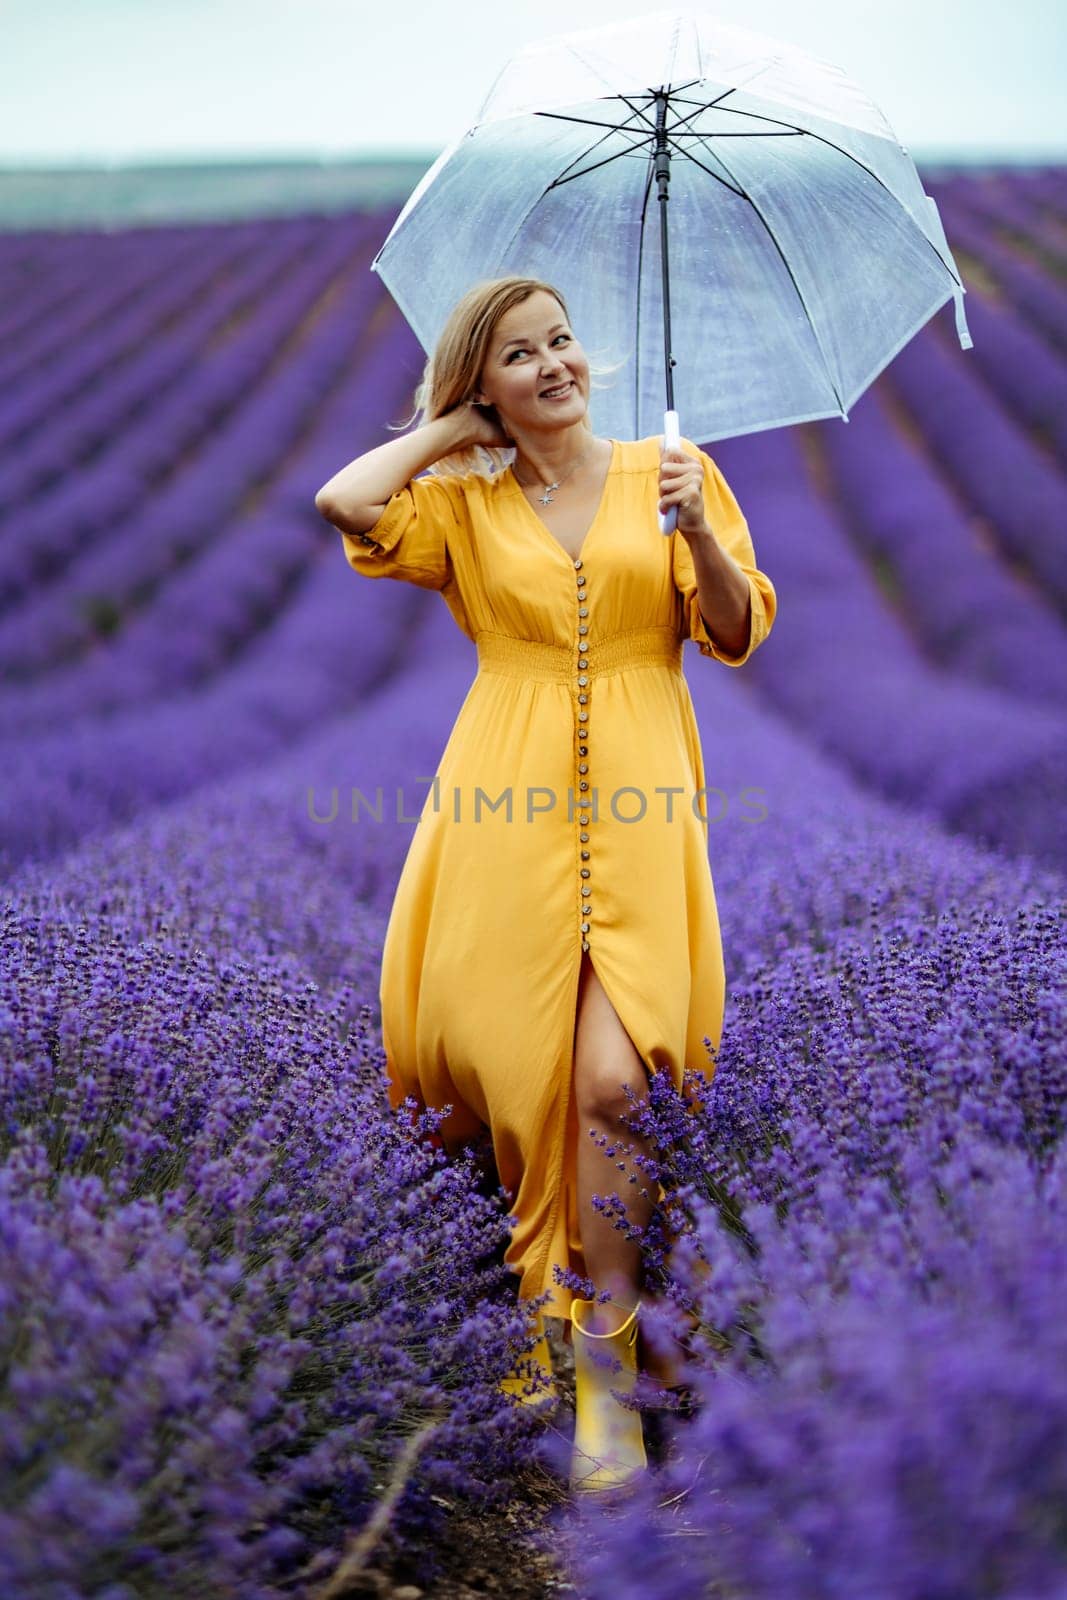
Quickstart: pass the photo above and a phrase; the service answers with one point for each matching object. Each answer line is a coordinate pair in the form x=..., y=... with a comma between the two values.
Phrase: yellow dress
x=551, y=826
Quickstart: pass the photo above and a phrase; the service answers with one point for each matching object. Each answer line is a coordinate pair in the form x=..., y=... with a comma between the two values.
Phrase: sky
x=117, y=82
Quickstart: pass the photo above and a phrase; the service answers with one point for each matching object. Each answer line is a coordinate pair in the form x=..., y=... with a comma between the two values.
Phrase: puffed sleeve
x=410, y=540
x=731, y=530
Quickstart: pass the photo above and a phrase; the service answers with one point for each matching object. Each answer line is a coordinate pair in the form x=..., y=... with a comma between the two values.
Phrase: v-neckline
x=543, y=525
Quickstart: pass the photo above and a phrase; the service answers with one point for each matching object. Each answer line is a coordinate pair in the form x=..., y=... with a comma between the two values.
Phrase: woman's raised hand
x=481, y=425
x=355, y=497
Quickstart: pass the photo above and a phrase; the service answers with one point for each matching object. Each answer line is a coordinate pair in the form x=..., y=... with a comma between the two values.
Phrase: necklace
x=546, y=498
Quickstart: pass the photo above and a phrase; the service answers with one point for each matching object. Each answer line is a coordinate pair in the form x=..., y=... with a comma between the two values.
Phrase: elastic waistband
x=558, y=663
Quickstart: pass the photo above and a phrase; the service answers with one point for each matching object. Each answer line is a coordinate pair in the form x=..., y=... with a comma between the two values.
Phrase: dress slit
x=614, y=1007
x=566, y=1188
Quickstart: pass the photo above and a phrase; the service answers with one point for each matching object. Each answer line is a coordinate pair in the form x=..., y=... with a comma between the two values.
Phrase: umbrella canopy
x=804, y=252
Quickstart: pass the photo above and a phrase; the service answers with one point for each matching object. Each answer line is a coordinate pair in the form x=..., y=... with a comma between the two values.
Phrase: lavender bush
x=233, y=1288
x=862, y=1254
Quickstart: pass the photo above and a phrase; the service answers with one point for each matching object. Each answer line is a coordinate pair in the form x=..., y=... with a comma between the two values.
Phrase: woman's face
x=535, y=373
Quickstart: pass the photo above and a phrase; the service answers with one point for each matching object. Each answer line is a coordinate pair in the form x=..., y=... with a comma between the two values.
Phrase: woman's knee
x=601, y=1097
x=605, y=1058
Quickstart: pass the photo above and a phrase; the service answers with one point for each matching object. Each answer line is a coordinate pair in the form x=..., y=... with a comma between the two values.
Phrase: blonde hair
x=450, y=376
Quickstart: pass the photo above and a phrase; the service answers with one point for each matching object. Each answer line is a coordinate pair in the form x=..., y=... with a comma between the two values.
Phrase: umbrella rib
x=636, y=111
x=688, y=156
x=791, y=128
x=585, y=171
x=622, y=128
x=639, y=111
x=705, y=105
x=698, y=107
x=588, y=122
x=792, y=278
x=568, y=173
x=771, y=133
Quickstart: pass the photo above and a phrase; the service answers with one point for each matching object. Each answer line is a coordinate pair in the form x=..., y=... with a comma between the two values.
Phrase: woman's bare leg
x=604, y=1059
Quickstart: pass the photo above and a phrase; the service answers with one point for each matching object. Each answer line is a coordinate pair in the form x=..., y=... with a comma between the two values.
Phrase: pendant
x=546, y=498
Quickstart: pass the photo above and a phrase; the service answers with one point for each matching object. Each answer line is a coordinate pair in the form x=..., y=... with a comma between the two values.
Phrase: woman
x=557, y=938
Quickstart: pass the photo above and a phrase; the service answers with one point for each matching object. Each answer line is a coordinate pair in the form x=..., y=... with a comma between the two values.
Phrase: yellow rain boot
x=520, y=1382
x=609, y=1443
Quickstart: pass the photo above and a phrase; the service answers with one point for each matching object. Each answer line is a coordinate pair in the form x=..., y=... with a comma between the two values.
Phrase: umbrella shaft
x=663, y=178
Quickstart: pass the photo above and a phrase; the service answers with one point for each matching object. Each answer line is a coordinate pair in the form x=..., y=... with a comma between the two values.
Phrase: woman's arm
x=730, y=604
x=354, y=498
x=723, y=592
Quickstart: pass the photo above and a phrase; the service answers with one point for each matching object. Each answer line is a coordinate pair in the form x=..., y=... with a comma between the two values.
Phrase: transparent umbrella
x=794, y=254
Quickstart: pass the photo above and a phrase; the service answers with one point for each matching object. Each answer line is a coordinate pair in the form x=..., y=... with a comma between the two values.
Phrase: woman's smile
x=559, y=393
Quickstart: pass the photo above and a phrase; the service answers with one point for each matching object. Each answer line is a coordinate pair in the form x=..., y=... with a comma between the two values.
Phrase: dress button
x=585, y=855
x=586, y=889
x=583, y=699
x=583, y=627
x=585, y=927
x=582, y=664
x=583, y=766
x=581, y=580
x=585, y=944
x=584, y=837
x=582, y=681
x=584, y=821
x=583, y=611
x=583, y=749
x=577, y=561
x=583, y=785
x=585, y=872
x=583, y=716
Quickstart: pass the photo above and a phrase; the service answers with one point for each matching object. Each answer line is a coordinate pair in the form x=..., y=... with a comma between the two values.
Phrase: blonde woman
x=554, y=933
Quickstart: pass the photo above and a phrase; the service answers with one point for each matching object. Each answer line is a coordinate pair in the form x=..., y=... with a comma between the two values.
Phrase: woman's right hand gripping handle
x=354, y=498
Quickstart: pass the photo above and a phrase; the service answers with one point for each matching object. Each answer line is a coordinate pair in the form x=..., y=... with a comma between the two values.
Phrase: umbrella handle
x=672, y=438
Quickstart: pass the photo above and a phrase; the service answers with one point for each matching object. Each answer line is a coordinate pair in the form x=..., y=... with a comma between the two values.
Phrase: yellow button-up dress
x=566, y=814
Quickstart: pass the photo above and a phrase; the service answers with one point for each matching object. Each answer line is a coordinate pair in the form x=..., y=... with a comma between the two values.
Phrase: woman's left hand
x=681, y=484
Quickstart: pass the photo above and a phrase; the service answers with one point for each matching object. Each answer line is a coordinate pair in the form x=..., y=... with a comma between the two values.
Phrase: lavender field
x=252, y=1325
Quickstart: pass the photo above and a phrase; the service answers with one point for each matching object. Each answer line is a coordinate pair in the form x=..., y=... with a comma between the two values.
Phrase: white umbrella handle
x=672, y=438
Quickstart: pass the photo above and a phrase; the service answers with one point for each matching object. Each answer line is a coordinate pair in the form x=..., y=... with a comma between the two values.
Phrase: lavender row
x=236, y=586
x=877, y=1370
x=1032, y=291
x=990, y=460
x=1014, y=357
x=128, y=359
x=1022, y=370
x=321, y=657
x=1012, y=219
x=844, y=666
x=89, y=280
x=241, y=1301
x=141, y=518
x=965, y=609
